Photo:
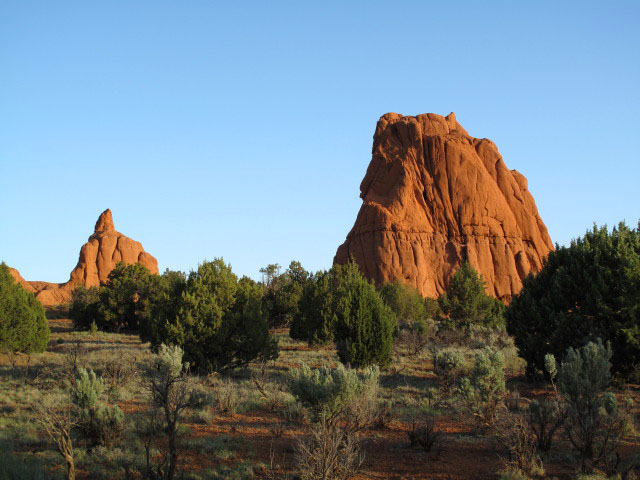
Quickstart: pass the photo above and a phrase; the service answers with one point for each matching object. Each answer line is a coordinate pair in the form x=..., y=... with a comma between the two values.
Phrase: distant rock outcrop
x=98, y=256
x=18, y=279
x=433, y=197
x=105, y=248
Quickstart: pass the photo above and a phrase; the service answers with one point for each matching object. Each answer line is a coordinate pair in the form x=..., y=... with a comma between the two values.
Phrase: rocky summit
x=98, y=256
x=434, y=197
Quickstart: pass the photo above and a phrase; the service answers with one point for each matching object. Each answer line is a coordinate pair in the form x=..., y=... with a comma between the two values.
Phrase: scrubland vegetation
x=324, y=376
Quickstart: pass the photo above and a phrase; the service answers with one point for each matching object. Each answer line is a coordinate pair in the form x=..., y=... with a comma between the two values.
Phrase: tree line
x=585, y=291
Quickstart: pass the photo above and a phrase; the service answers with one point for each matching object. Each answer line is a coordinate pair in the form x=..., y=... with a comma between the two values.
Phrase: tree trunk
x=71, y=469
x=173, y=455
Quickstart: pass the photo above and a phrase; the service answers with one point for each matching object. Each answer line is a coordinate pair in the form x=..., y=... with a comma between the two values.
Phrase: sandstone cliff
x=433, y=197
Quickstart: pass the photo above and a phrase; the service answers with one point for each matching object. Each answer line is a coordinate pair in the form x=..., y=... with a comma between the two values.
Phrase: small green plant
x=172, y=391
x=482, y=392
x=546, y=416
x=447, y=365
x=466, y=302
x=594, y=423
x=101, y=424
x=551, y=368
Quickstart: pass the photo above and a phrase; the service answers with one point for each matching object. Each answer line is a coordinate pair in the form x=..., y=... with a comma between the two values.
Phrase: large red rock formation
x=433, y=197
x=98, y=256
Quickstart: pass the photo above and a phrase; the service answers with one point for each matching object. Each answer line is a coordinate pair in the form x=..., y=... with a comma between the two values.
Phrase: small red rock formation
x=433, y=197
x=18, y=279
x=105, y=248
x=98, y=256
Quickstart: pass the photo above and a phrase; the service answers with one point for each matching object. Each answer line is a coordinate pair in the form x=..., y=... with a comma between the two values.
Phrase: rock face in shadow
x=98, y=256
x=433, y=197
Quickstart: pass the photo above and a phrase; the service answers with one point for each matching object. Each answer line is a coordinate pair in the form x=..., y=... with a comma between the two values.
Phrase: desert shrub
x=484, y=389
x=172, y=391
x=118, y=373
x=465, y=302
x=328, y=453
x=585, y=291
x=342, y=306
x=424, y=434
x=417, y=336
x=545, y=418
x=58, y=421
x=23, y=325
x=283, y=292
x=226, y=396
x=219, y=321
x=73, y=359
x=100, y=424
x=87, y=389
x=594, y=424
x=364, y=410
x=447, y=365
x=518, y=439
x=271, y=391
x=296, y=412
x=329, y=393
x=383, y=415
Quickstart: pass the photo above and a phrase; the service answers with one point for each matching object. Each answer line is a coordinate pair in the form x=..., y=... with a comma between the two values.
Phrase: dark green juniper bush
x=585, y=291
x=466, y=302
x=342, y=306
x=23, y=325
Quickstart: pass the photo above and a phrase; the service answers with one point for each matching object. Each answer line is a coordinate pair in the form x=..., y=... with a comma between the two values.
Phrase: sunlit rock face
x=434, y=197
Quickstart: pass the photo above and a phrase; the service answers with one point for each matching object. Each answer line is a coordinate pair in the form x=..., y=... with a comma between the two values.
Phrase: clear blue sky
x=243, y=129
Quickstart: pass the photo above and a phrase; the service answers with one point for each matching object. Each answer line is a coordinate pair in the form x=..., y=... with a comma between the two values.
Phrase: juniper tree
x=585, y=291
x=23, y=325
x=466, y=302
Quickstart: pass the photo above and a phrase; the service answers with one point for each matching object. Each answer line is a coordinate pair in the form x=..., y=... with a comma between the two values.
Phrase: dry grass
x=264, y=423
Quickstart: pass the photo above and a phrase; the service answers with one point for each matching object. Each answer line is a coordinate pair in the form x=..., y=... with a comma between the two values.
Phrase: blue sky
x=243, y=129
